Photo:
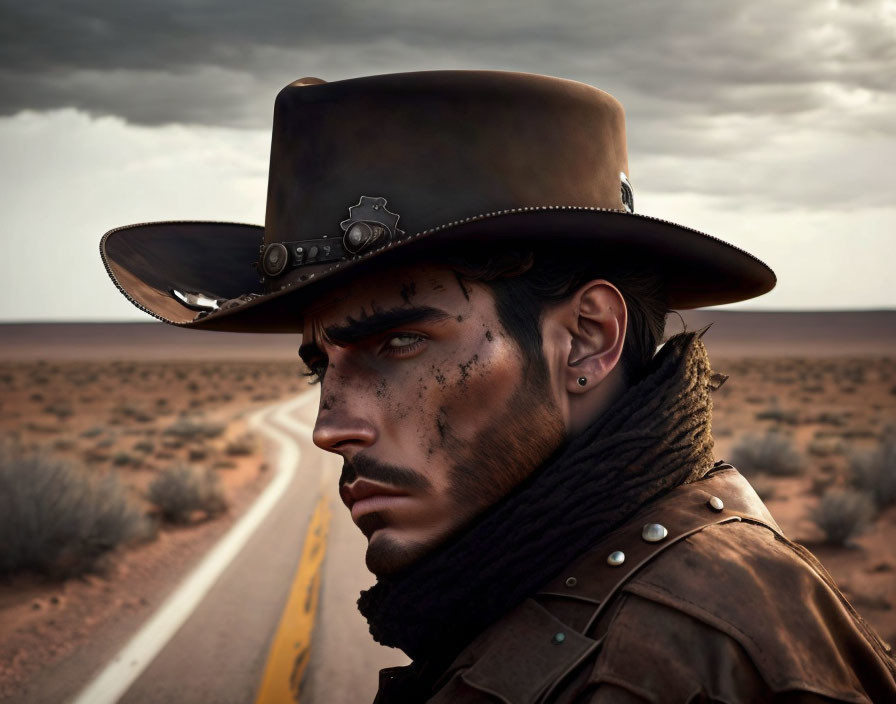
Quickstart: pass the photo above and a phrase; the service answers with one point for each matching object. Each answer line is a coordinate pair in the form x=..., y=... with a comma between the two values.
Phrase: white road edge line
x=121, y=672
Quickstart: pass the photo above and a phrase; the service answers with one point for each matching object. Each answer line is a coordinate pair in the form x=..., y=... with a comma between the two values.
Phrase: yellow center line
x=291, y=647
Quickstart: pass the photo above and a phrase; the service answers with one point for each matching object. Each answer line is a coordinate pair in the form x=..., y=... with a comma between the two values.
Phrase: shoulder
x=721, y=607
x=738, y=600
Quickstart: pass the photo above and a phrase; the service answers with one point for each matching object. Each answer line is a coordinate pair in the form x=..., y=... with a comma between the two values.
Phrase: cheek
x=469, y=389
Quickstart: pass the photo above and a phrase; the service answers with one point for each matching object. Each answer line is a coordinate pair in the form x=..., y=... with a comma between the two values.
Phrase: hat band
x=278, y=257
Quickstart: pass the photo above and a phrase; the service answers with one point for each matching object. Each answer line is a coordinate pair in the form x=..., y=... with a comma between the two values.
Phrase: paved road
x=219, y=653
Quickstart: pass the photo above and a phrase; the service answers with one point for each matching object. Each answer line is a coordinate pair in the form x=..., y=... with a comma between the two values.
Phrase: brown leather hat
x=369, y=166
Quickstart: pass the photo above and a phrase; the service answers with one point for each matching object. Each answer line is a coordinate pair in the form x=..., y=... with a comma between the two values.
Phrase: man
x=536, y=483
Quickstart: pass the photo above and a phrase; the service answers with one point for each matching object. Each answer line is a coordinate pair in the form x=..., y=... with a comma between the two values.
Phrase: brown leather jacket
x=724, y=608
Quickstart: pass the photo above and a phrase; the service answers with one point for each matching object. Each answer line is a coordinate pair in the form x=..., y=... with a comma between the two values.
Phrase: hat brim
x=148, y=261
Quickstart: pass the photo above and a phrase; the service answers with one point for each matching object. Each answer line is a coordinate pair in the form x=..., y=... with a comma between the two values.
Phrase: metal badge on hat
x=369, y=222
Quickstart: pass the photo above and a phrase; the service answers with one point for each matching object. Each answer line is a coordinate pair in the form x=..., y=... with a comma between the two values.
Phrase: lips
x=372, y=495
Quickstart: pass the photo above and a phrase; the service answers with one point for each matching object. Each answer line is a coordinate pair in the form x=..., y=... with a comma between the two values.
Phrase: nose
x=342, y=431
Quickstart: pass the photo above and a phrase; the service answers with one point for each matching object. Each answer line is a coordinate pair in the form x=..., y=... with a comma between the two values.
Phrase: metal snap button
x=654, y=532
x=616, y=558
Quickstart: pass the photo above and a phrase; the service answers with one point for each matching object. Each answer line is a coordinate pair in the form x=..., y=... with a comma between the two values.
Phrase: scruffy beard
x=507, y=450
x=501, y=455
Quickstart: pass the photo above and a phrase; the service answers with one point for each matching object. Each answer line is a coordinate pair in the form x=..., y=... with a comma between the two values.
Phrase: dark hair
x=526, y=282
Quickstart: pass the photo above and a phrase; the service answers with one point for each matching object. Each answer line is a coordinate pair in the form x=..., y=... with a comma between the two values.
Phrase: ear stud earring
x=582, y=381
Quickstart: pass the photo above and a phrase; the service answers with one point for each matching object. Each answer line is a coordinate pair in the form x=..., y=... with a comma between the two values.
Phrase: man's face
x=425, y=396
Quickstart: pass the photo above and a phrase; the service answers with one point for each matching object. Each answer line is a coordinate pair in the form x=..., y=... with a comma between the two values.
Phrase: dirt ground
x=829, y=409
x=133, y=419
x=122, y=418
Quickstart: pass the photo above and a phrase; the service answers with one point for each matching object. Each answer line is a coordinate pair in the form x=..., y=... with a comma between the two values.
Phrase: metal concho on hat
x=370, y=223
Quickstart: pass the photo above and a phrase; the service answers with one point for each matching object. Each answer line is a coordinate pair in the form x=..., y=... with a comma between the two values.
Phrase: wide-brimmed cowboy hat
x=364, y=169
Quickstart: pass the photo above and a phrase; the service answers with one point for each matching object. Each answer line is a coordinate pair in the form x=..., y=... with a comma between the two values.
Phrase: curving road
x=210, y=641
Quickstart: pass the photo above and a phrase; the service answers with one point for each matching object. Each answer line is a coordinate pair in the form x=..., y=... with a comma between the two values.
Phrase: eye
x=403, y=340
x=403, y=344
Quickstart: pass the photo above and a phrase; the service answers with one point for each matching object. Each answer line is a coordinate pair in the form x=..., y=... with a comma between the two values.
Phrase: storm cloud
x=217, y=62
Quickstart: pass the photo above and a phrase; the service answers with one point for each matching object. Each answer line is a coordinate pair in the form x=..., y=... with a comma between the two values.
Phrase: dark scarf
x=655, y=437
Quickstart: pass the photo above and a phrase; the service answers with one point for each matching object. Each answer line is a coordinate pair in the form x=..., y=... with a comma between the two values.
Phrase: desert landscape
x=116, y=476
x=125, y=454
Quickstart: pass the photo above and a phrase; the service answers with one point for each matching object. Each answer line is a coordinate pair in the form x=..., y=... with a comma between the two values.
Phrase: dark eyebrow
x=369, y=325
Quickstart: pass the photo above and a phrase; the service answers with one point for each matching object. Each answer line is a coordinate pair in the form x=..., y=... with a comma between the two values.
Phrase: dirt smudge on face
x=489, y=336
x=442, y=423
x=465, y=368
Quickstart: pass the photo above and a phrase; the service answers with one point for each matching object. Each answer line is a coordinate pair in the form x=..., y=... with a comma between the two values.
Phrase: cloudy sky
x=768, y=123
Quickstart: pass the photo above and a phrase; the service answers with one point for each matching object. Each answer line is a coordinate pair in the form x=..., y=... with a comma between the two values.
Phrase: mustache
x=367, y=468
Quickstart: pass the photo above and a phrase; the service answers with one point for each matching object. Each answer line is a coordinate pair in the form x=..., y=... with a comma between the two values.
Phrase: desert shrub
x=824, y=447
x=820, y=484
x=132, y=411
x=41, y=428
x=191, y=428
x=858, y=434
x=182, y=490
x=779, y=415
x=57, y=520
x=145, y=446
x=773, y=453
x=842, y=514
x=875, y=472
x=60, y=409
x=830, y=418
x=122, y=459
x=243, y=445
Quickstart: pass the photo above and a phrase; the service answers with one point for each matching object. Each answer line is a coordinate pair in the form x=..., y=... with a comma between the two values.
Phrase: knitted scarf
x=653, y=438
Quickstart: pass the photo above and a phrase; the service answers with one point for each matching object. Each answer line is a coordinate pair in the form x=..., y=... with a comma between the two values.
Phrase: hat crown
x=439, y=146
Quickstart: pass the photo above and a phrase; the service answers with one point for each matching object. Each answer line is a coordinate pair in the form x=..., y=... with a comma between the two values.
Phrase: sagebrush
x=773, y=453
x=842, y=514
x=875, y=472
x=182, y=490
x=58, y=520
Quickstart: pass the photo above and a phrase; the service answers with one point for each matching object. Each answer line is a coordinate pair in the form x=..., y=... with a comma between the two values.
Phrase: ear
x=596, y=323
